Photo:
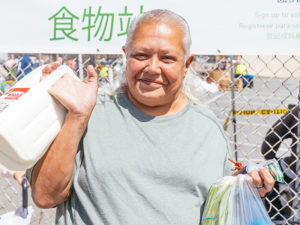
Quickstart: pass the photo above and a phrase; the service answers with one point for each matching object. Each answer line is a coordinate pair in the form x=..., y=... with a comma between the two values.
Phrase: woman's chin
x=148, y=98
x=150, y=101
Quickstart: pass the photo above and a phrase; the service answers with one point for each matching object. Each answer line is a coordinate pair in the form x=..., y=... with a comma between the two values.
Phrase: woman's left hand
x=263, y=181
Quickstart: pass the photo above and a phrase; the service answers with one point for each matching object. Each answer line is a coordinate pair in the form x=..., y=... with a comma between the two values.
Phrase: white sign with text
x=94, y=26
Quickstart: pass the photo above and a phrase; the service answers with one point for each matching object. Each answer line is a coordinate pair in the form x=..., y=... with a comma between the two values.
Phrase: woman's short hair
x=158, y=15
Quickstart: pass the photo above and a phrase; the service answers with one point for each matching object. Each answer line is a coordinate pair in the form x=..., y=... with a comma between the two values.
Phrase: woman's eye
x=168, y=58
x=140, y=56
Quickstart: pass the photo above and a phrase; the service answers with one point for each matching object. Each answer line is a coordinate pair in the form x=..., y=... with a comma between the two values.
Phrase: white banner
x=94, y=26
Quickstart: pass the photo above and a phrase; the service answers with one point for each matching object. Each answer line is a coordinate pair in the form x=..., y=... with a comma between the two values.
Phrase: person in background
x=17, y=175
x=286, y=196
x=103, y=74
x=242, y=72
x=222, y=65
x=24, y=67
x=145, y=154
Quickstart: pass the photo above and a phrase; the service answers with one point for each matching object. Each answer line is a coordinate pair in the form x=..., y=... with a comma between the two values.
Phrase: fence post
x=233, y=108
x=80, y=66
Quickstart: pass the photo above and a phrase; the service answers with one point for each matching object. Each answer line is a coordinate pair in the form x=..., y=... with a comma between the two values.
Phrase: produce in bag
x=234, y=200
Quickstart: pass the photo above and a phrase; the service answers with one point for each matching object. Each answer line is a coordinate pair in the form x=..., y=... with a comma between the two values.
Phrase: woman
x=146, y=155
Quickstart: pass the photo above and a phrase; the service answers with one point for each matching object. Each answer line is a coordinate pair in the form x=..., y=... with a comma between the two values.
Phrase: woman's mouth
x=151, y=82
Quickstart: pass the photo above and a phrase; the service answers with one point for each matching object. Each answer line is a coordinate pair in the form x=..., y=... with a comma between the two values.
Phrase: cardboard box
x=218, y=75
x=223, y=79
x=225, y=85
x=238, y=84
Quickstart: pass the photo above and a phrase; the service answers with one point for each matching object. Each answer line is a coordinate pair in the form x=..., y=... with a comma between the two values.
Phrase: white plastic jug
x=30, y=119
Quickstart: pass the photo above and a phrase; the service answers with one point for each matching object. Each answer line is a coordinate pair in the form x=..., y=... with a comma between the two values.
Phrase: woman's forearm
x=52, y=175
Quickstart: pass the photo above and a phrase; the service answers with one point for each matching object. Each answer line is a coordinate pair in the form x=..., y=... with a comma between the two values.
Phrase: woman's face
x=155, y=64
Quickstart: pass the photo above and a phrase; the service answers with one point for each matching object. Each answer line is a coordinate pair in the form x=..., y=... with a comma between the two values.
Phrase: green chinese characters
x=96, y=23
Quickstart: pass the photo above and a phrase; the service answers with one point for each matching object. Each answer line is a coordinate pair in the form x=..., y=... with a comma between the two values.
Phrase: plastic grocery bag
x=235, y=201
x=16, y=217
x=23, y=214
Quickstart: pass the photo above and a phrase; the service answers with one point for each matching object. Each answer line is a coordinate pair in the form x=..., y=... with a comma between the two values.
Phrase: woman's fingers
x=263, y=181
x=77, y=97
x=258, y=182
x=50, y=68
x=267, y=179
x=92, y=75
x=56, y=64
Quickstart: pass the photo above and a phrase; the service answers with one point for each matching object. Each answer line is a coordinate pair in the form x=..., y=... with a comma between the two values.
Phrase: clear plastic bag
x=235, y=201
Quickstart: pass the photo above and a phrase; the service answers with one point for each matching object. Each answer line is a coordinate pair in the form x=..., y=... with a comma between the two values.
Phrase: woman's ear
x=188, y=62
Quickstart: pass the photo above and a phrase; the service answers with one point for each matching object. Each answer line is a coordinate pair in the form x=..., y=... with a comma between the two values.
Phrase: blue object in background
x=247, y=79
x=24, y=67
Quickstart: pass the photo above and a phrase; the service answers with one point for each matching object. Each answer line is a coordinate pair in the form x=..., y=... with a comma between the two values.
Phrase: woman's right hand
x=78, y=97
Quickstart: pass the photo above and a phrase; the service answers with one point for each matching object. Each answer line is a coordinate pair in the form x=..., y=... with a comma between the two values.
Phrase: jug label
x=15, y=93
x=11, y=96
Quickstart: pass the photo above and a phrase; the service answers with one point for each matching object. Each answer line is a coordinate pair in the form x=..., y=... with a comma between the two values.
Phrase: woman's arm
x=52, y=175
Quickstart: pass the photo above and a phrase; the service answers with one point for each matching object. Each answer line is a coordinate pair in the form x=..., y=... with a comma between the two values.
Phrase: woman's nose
x=154, y=65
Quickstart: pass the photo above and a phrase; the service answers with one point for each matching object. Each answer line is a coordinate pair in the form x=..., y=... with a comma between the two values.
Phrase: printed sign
x=91, y=26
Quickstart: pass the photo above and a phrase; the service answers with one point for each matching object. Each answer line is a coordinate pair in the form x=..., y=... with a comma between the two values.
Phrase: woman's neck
x=179, y=102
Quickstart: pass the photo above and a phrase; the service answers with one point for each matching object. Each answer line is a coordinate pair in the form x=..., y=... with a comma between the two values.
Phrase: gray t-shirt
x=132, y=168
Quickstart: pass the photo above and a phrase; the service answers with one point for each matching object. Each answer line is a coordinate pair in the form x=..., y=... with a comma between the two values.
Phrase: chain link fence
x=255, y=97
x=258, y=108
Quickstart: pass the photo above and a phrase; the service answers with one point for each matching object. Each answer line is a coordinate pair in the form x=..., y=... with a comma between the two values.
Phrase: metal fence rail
x=253, y=110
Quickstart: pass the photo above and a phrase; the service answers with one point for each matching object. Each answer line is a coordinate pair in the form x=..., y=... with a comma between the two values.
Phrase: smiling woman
x=156, y=68
x=146, y=155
